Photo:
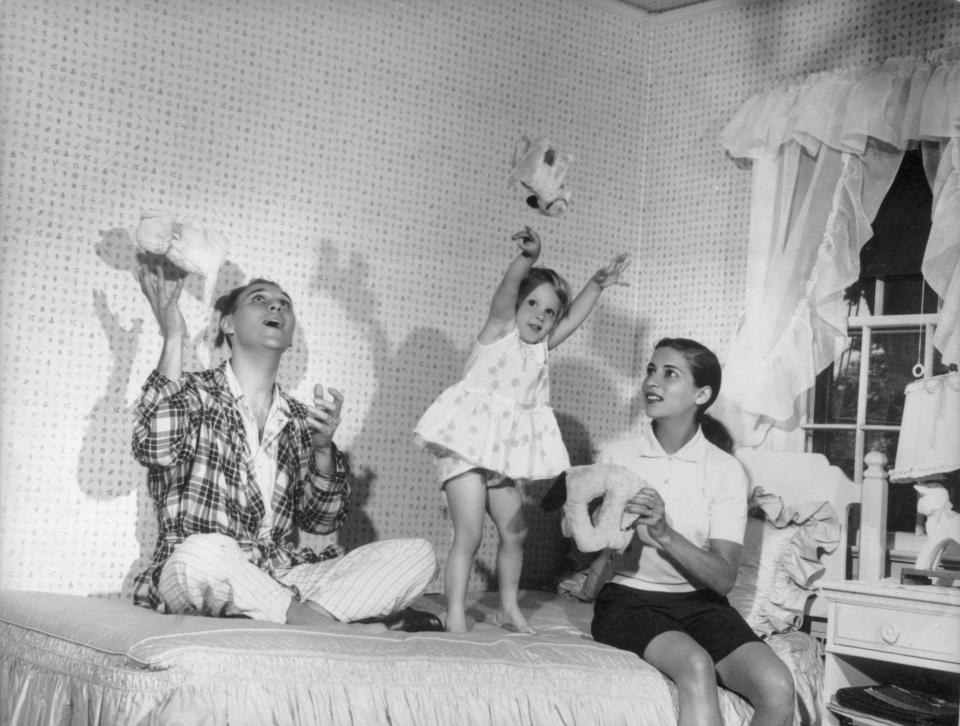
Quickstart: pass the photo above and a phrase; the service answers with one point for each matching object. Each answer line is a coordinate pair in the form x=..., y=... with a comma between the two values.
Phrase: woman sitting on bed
x=667, y=600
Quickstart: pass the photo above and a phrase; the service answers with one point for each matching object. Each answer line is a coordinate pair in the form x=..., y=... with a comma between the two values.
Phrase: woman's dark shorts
x=629, y=619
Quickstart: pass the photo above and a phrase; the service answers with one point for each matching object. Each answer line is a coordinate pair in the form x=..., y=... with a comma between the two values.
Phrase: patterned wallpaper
x=358, y=154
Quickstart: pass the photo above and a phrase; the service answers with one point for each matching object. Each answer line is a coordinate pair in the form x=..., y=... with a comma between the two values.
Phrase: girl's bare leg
x=505, y=505
x=466, y=496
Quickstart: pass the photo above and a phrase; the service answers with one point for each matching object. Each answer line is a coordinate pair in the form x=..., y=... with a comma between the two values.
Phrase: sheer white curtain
x=824, y=152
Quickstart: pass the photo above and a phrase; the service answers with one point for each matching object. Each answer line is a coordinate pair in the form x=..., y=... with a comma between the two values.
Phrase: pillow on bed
x=780, y=561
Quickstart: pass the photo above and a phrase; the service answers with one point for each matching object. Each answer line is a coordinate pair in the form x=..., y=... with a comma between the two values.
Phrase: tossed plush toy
x=189, y=249
x=540, y=168
x=608, y=527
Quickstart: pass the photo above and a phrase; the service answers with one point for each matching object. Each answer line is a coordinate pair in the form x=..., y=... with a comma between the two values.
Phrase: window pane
x=901, y=508
x=902, y=223
x=902, y=296
x=835, y=393
x=893, y=354
x=837, y=446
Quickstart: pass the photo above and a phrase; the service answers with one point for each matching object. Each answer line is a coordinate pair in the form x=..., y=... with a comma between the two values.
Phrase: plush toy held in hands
x=540, y=169
x=608, y=527
x=186, y=247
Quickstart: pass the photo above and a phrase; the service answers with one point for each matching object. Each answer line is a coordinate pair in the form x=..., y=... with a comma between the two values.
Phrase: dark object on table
x=898, y=705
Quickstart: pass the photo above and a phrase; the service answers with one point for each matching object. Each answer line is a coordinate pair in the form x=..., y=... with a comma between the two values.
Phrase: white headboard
x=799, y=478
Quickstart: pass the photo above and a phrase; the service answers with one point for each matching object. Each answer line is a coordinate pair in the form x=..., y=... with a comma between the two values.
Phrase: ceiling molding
x=706, y=7
x=683, y=9
x=619, y=7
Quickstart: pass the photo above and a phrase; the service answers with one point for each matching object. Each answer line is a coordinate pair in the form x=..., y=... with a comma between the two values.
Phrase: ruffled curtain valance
x=901, y=102
x=824, y=152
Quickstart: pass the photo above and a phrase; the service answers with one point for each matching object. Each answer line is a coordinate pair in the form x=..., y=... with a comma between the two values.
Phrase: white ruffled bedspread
x=71, y=660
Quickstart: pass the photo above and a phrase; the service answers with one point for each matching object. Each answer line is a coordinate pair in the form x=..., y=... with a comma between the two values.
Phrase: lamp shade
x=930, y=431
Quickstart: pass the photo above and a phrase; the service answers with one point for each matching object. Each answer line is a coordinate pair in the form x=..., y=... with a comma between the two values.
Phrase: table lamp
x=929, y=449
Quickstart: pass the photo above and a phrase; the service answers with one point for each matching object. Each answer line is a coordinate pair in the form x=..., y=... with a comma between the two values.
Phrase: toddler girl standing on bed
x=496, y=427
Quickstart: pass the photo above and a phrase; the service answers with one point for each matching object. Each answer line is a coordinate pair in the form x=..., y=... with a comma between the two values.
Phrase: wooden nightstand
x=886, y=632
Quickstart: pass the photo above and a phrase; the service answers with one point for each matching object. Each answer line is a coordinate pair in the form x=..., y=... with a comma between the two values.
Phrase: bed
x=68, y=659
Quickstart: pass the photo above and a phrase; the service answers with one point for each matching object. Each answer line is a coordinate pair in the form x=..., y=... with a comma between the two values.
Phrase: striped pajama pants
x=210, y=574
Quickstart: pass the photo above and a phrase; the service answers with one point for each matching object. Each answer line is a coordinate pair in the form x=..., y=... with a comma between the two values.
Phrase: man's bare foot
x=513, y=620
x=311, y=615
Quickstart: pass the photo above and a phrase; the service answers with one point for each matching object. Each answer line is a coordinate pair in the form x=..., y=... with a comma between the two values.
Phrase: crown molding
x=620, y=8
x=666, y=17
x=701, y=9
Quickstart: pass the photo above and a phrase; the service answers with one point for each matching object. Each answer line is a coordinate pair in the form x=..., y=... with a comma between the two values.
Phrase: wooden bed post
x=873, y=518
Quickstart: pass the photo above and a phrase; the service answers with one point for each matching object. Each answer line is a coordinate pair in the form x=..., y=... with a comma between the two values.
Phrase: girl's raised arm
x=582, y=305
x=502, y=315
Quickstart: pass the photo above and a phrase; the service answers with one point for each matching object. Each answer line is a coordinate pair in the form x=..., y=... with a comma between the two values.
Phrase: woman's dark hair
x=706, y=372
x=226, y=304
x=535, y=277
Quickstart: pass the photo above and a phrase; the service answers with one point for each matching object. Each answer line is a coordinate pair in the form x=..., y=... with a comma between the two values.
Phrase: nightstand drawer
x=892, y=630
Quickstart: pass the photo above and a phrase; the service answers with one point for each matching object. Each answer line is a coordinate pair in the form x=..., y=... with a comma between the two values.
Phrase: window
x=857, y=403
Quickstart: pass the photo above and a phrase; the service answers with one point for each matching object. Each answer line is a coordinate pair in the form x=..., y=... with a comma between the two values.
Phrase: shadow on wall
x=383, y=453
x=576, y=387
x=581, y=389
x=106, y=468
x=641, y=356
x=586, y=399
x=425, y=365
x=546, y=550
x=350, y=286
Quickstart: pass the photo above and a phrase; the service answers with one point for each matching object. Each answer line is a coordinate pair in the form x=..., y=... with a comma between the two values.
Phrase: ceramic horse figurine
x=942, y=524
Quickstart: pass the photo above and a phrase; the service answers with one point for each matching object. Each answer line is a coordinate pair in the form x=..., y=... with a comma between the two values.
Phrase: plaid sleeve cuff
x=331, y=482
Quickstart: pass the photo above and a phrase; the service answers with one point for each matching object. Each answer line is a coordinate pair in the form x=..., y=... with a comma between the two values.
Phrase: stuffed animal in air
x=540, y=168
x=187, y=247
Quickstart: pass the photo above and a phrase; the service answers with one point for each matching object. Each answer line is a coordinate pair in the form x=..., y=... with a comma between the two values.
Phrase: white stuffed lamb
x=606, y=528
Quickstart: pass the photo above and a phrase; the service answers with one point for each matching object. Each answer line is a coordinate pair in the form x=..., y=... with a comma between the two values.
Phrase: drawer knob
x=890, y=633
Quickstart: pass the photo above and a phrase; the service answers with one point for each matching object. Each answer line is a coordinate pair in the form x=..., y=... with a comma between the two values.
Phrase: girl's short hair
x=706, y=371
x=226, y=304
x=535, y=277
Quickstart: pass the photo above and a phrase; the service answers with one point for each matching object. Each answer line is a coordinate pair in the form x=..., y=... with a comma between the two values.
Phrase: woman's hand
x=610, y=275
x=164, y=297
x=713, y=567
x=648, y=507
x=324, y=418
x=529, y=242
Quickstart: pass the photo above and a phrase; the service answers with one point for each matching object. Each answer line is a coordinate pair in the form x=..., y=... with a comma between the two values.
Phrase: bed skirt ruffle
x=70, y=660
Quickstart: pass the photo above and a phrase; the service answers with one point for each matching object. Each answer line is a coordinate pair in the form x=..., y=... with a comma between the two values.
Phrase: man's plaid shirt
x=190, y=437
